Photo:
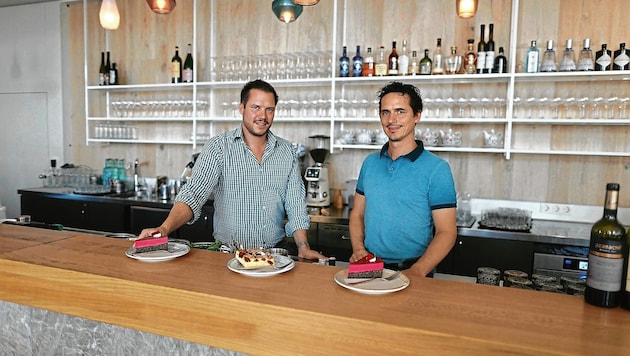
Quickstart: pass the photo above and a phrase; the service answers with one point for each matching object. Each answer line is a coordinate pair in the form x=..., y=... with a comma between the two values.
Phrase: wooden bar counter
x=198, y=299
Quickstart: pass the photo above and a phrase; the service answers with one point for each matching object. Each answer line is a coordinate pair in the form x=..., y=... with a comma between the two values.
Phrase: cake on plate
x=254, y=258
x=155, y=242
x=369, y=266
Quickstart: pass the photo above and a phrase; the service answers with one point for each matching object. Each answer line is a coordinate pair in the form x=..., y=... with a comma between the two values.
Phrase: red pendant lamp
x=162, y=6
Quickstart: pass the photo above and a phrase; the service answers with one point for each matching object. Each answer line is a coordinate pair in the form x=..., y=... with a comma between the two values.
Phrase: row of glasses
x=610, y=108
x=156, y=107
x=116, y=131
x=273, y=66
x=473, y=107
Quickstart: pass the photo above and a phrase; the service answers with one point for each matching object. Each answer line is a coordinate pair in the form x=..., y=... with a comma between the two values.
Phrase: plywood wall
x=144, y=45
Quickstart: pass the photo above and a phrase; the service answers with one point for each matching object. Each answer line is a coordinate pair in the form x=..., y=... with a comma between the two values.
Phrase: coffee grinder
x=317, y=189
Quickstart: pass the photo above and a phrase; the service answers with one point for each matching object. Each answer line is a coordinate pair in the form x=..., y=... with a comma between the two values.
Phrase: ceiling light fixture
x=162, y=6
x=466, y=8
x=286, y=10
x=108, y=15
x=306, y=2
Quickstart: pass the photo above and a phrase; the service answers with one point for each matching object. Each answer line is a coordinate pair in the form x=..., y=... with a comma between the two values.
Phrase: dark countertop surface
x=543, y=231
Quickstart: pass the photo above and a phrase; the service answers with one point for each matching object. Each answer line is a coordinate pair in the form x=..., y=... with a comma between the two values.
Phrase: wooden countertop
x=303, y=311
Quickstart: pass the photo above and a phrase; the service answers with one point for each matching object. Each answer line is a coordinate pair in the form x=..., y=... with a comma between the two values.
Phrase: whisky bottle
x=470, y=58
x=368, y=64
x=380, y=68
x=621, y=58
x=606, y=255
x=481, y=51
x=438, y=65
x=585, y=60
x=490, y=49
x=426, y=65
x=392, y=61
x=403, y=60
x=176, y=67
x=357, y=63
x=568, y=58
x=500, y=62
x=344, y=63
x=414, y=64
x=603, y=59
x=549, y=59
x=532, y=59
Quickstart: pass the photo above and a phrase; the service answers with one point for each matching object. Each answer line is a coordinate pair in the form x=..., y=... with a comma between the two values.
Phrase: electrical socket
x=555, y=209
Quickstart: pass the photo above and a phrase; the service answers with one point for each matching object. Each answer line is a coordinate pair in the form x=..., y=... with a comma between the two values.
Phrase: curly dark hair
x=415, y=100
x=260, y=85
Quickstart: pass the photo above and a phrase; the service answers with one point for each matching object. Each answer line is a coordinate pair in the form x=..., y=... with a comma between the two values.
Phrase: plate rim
x=251, y=273
x=129, y=253
x=338, y=278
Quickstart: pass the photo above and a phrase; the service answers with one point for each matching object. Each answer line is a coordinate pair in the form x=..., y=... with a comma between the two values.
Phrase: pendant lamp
x=466, y=8
x=306, y=2
x=108, y=15
x=286, y=10
x=162, y=6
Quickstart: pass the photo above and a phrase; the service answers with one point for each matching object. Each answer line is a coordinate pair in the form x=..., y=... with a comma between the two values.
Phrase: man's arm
x=178, y=216
x=443, y=241
x=357, y=228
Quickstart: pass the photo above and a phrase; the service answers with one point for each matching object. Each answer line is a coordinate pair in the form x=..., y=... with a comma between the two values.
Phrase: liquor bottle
x=585, y=60
x=344, y=63
x=453, y=62
x=392, y=61
x=549, y=59
x=606, y=255
x=490, y=50
x=621, y=58
x=403, y=60
x=357, y=63
x=176, y=67
x=481, y=51
x=426, y=65
x=414, y=64
x=470, y=58
x=532, y=59
x=568, y=58
x=368, y=64
x=187, y=72
x=500, y=62
x=380, y=68
x=438, y=65
x=603, y=59
x=108, y=67
x=113, y=74
x=101, y=70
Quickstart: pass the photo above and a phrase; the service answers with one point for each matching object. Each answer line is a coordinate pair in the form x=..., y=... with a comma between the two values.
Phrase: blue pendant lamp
x=286, y=10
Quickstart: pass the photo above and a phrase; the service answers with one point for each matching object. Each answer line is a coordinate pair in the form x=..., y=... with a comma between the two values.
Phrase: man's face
x=397, y=117
x=258, y=112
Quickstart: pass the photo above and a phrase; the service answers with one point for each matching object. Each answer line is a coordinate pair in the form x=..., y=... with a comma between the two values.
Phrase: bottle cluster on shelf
x=182, y=73
x=603, y=60
x=108, y=71
x=484, y=60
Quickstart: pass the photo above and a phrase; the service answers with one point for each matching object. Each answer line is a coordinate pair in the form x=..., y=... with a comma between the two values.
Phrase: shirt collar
x=272, y=140
x=412, y=156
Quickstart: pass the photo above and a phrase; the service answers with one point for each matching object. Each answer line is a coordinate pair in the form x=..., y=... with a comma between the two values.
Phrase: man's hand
x=358, y=254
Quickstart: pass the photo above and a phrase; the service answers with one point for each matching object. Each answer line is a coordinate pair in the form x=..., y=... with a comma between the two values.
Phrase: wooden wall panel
x=144, y=45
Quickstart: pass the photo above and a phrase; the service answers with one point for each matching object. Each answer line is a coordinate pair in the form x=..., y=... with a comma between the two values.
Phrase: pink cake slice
x=369, y=266
x=154, y=243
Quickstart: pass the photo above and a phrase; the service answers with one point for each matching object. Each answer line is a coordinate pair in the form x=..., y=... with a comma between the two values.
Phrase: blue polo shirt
x=400, y=196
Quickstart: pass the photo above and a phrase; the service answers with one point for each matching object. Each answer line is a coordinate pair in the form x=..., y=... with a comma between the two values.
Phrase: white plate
x=237, y=267
x=175, y=249
x=375, y=286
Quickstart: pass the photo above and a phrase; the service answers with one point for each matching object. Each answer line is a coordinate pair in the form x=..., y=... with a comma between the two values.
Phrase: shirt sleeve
x=295, y=203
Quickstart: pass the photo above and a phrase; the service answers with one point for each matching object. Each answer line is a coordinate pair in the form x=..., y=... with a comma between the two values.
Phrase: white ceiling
x=5, y=3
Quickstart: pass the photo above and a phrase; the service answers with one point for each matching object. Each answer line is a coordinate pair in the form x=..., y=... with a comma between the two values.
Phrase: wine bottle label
x=622, y=60
x=604, y=60
x=481, y=61
x=175, y=70
x=489, y=61
x=187, y=75
x=605, y=264
x=112, y=77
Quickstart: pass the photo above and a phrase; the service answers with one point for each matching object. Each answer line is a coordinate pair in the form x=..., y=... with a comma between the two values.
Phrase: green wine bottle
x=606, y=255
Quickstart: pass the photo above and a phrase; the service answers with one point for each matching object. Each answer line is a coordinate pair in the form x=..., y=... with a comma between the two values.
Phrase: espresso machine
x=316, y=176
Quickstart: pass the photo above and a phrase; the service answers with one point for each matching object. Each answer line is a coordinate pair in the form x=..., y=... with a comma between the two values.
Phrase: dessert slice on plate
x=369, y=266
x=155, y=242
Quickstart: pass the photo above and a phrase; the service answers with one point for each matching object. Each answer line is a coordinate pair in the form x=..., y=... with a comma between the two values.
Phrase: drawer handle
x=344, y=237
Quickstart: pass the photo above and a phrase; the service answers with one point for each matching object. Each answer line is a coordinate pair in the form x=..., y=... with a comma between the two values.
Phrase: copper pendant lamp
x=466, y=8
x=162, y=6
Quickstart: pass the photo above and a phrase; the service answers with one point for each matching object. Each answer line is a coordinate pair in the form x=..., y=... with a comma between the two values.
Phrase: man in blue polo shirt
x=405, y=201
